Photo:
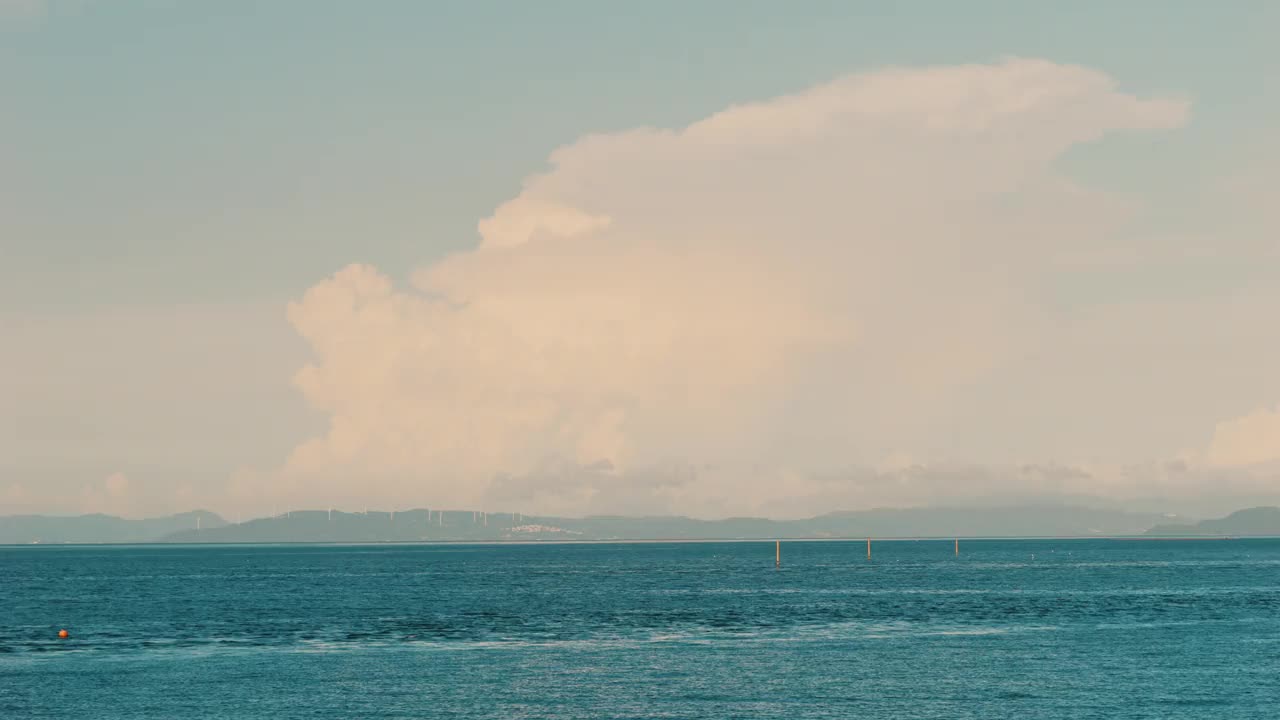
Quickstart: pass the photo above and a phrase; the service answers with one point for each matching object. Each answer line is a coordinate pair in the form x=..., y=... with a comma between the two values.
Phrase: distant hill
x=432, y=525
x=1253, y=521
x=1023, y=521
x=45, y=529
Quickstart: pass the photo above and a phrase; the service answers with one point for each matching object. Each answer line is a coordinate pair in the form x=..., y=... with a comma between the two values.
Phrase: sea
x=1020, y=629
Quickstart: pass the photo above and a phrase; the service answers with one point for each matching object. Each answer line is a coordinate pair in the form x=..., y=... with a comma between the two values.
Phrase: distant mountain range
x=433, y=525
x=24, y=529
x=321, y=526
x=1253, y=521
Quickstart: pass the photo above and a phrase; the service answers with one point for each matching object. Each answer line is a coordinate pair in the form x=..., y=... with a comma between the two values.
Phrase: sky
x=716, y=258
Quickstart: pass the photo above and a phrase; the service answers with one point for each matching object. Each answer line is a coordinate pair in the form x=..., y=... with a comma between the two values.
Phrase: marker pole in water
x=868, y=548
x=777, y=557
x=957, y=547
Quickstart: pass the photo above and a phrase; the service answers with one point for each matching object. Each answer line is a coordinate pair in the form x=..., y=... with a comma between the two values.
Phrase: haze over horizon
x=293, y=256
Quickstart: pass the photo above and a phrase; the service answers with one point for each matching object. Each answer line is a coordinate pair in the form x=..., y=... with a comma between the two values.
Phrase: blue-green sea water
x=1009, y=629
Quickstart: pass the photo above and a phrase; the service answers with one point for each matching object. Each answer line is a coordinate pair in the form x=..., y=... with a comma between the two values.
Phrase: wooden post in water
x=868, y=548
x=957, y=547
x=777, y=557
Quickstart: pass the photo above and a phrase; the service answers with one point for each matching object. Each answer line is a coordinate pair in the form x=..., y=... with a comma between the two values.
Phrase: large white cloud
x=1249, y=440
x=698, y=319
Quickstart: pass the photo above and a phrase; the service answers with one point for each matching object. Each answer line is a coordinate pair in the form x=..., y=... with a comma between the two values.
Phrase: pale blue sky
x=172, y=173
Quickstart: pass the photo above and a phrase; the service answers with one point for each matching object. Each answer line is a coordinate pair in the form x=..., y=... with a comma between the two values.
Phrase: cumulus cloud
x=116, y=484
x=108, y=495
x=1252, y=439
x=15, y=495
x=702, y=319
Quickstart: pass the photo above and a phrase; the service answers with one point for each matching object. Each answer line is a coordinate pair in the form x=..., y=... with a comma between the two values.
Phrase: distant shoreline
x=424, y=526
x=644, y=541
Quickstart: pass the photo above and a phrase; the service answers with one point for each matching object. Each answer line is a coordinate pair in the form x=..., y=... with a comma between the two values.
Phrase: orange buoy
x=64, y=634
